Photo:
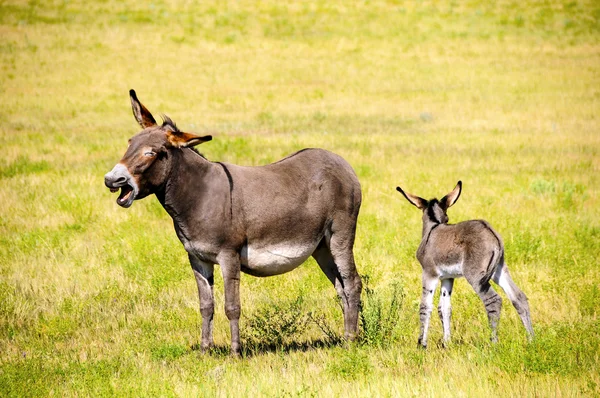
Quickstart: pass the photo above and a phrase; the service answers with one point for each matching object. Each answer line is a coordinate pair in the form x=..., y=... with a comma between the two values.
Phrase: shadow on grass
x=251, y=350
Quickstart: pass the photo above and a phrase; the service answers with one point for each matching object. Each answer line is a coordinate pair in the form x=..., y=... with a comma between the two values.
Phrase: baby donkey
x=471, y=249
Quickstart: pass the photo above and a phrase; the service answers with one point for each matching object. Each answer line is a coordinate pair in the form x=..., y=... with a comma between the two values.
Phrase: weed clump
x=277, y=324
x=380, y=313
x=280, y=324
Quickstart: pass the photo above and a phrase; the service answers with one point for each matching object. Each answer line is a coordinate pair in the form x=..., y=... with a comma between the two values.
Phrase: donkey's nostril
x=110, y=180
x=117, y=177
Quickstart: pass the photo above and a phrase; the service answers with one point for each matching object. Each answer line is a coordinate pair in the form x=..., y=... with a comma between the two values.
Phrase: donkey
x=262, y=221
x=471, y=249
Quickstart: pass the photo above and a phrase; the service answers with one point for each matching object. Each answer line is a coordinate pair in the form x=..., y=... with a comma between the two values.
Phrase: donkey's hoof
x=350, y=337
x=444, y=343
x=530, y=338
x=235, y=352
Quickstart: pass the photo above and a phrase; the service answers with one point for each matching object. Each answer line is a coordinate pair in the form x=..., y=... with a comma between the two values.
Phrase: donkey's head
x=146, y=163
x=434, y=210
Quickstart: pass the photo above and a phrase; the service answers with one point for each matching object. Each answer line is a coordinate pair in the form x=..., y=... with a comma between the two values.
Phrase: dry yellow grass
x=97, y=300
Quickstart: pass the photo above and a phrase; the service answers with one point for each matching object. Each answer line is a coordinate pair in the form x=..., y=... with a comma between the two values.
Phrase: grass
x=97, y=300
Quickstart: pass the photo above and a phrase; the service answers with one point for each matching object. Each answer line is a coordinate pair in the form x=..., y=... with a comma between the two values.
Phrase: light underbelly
x=450, y=271
x=274, y=260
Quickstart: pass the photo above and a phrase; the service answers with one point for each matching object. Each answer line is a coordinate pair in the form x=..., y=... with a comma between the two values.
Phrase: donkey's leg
x=493, y=304
x=231, y=267
x=340, y=247
x=445, y=308
x=429, y=286
x=204, y=273
x=325, y=260
x=516, y=296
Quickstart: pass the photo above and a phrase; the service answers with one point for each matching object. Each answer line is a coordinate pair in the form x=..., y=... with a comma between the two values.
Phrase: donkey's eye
x=150, y=154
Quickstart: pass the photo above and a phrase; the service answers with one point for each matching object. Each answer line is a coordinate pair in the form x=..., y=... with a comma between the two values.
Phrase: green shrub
x=380, y=313
x=275, y=324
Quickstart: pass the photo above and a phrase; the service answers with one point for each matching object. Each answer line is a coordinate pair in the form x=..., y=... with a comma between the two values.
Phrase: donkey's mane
x=169, y=123
x=198, y=152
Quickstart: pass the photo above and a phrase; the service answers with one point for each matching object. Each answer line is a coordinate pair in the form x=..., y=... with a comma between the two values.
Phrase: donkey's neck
x=188, y=184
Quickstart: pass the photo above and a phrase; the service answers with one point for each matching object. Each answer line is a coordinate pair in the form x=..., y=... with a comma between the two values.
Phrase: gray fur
x=263, y=220
x=471, y=249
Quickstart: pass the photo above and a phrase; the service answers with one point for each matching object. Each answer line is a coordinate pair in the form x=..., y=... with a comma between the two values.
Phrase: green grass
x=96, y=300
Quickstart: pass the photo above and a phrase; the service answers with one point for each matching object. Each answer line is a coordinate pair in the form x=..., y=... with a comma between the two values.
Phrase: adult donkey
x=262, y=221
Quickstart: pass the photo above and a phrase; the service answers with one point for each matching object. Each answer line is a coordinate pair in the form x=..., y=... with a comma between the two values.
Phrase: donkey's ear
x=179, y=139
x=452, y=197
x=140, y=112
x=415, y=200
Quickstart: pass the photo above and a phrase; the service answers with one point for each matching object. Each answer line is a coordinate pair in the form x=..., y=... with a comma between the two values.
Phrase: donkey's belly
x=274, y=260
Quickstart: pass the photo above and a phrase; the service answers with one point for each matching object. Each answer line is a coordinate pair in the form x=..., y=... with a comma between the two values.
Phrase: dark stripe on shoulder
x=429, y=234
x=230, y=179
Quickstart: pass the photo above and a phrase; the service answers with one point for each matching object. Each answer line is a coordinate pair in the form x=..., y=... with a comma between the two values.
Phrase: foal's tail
x=496, y=262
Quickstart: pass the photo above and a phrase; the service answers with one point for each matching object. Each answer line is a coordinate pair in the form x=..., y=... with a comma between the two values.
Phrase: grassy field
x=97, y=300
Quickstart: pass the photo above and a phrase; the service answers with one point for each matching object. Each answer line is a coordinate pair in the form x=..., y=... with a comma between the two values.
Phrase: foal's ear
x=140, y=112
x=452, y=197
x=179, y=139
x=415, y=200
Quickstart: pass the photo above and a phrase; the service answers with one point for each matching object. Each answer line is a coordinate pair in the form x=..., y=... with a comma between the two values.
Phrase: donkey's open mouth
x=126, y=197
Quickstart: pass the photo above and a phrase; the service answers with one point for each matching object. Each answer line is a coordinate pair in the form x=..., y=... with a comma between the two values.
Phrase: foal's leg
x=204, y=273
x=230, y=267
x=429, y=285
x=445, y=308
x=493, y=304
x=516, y=296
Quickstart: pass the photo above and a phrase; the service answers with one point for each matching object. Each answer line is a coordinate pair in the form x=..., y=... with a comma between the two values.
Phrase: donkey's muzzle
x=119, y=177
